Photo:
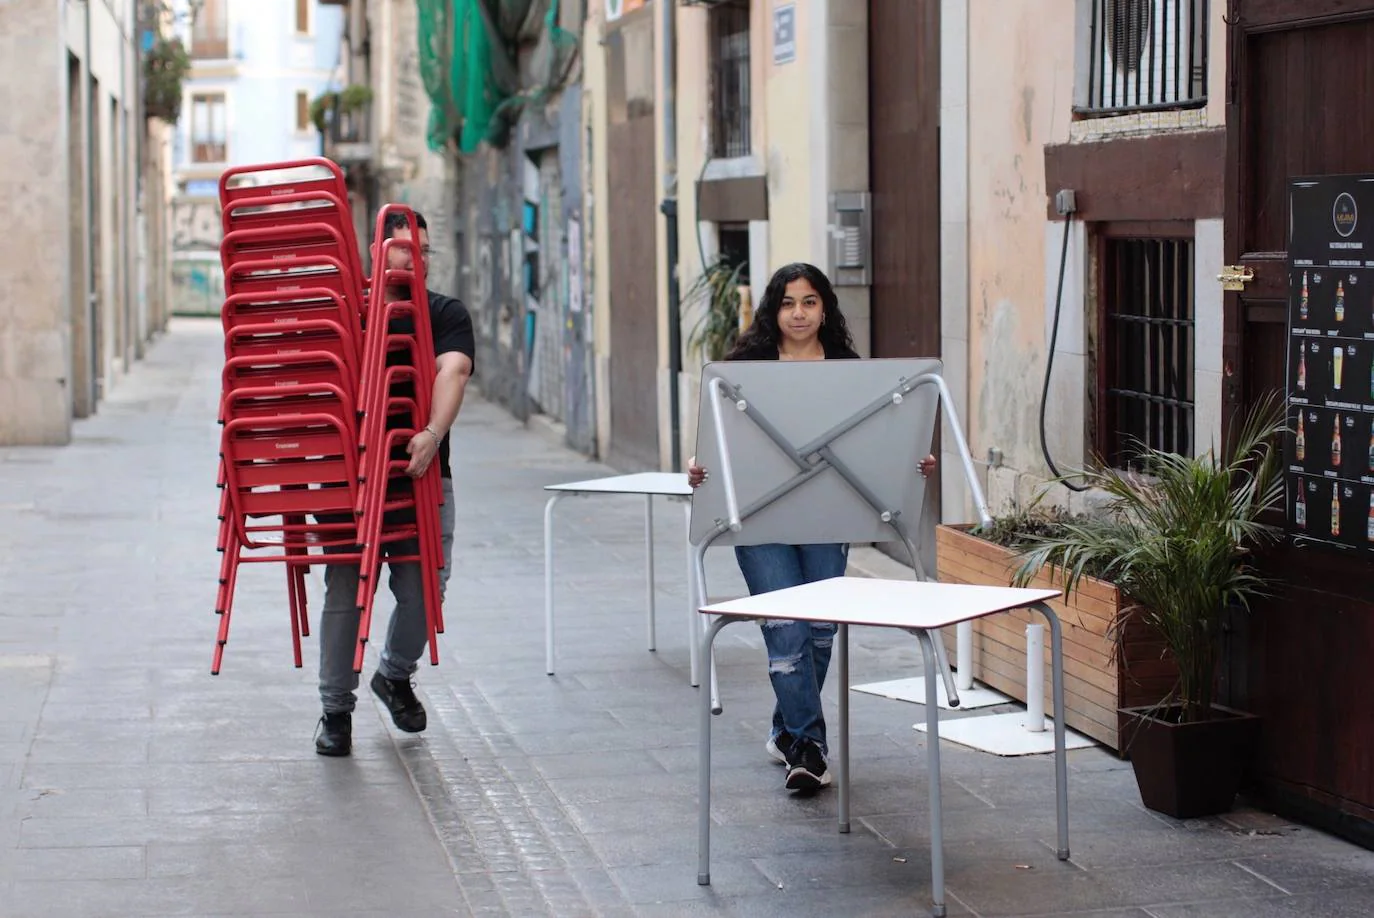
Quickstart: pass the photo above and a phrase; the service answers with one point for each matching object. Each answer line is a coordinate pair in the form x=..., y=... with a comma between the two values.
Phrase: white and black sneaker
x=806, y=769
x=778, y=746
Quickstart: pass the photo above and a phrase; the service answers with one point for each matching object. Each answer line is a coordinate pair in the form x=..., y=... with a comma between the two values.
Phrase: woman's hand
x=695, y=473
x=927, y=466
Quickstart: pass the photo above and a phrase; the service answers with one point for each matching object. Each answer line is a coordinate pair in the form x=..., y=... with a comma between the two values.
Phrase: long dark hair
x=761, y=339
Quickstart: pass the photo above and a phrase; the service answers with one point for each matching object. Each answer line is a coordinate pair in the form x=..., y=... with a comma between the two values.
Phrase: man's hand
x=927, y=466
x=421, y=449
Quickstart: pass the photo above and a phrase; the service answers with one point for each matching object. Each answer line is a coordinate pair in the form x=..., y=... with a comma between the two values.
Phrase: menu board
x=1330, y=447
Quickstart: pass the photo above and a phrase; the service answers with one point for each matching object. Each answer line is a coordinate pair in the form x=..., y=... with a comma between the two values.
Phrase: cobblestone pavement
x=133, y=783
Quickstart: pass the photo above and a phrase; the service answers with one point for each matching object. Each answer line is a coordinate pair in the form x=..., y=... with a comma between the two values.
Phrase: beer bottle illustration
x=1302, y=370
x=1335, y=510
x=1336, y=444
x=1302, y=300
x=1300, y=508
x=1340, y=301
x=1301, y=444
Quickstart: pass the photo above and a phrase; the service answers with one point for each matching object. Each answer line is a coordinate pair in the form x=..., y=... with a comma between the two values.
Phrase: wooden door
x=1301, y=83
x=904, y=175
x=631, y=224
x=904, y=178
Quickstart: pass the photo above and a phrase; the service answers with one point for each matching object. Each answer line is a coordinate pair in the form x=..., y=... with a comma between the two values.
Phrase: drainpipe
x=128, y=237
x=89, y=261
x=668, y=208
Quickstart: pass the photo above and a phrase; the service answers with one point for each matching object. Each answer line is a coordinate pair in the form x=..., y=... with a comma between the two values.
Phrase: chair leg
x=222, y=638
x=293, y=599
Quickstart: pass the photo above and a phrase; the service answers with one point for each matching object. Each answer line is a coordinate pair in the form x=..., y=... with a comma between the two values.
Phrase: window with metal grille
x=1145, y=55
x=210, y=30
x=1145, y=359
x=730, y=69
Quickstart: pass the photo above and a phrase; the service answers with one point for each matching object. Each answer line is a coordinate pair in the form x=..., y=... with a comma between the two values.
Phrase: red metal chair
x=324, y=384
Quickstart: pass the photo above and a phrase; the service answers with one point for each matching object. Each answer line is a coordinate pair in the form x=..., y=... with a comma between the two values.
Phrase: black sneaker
x=778, y=746
x=399, y=697
x=334, y=735
x=806, y=770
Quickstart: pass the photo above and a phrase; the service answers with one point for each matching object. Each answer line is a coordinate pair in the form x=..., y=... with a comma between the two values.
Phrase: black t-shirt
x=769, y=351
x=450, y=325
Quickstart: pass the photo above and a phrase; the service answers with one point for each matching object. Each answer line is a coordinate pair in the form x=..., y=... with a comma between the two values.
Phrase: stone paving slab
x=134, y=783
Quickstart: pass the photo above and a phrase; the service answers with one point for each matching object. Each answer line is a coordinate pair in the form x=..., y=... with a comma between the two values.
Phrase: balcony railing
x=348, y=136
x=1146, y=55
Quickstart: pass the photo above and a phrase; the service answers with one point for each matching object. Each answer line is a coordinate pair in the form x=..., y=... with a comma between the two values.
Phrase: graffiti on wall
x=195, y=224
x=524, y=249
x=197, y=287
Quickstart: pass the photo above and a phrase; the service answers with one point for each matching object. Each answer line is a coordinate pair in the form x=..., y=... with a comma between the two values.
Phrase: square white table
x=921, y=608
x=651, y=485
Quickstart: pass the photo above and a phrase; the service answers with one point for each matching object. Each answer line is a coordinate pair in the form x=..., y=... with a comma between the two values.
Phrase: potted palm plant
x=718, y=291
x=1177, y=537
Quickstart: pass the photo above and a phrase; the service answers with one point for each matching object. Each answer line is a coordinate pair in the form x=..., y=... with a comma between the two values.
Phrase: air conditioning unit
x=1150, y=53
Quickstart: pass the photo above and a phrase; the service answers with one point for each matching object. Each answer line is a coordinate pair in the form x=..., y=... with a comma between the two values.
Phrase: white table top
x=881, y=603
x=670, y=484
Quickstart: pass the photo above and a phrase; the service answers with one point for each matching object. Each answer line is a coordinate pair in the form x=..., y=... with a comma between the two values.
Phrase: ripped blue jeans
x=798, y=652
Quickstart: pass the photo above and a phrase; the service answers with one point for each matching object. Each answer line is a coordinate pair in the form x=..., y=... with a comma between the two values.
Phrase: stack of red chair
x=324, y=384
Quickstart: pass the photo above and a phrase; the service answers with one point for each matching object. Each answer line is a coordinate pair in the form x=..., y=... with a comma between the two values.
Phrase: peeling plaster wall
x=1020, y=98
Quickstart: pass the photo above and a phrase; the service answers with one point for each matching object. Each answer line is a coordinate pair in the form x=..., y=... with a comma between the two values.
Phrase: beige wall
x=809, y=138
x=1008, y=101
x=43, y=318
x=35, y=355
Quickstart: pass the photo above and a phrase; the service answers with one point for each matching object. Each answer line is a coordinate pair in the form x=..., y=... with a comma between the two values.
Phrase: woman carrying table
x=798, y=318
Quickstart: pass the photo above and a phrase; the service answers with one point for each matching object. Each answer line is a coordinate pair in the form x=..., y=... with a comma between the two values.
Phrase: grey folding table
x=672, y=485
x=919, y=607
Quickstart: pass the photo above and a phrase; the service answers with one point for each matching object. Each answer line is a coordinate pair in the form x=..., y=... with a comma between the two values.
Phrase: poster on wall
x=1330, y=448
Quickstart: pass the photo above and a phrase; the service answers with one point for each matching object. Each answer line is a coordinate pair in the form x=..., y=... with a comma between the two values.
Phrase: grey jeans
x=405, y=635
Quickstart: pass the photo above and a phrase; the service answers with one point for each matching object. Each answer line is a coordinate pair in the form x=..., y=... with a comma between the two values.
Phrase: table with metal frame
x=920, y=607
x=672, y=485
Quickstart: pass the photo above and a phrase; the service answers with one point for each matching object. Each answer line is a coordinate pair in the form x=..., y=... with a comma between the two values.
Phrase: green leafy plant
x=165, y=66
x=1177, y=538
x=352, y=98
x=717, y=289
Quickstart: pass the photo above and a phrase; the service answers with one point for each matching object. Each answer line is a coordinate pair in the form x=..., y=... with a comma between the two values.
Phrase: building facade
x=257, y=67
x=82, y=278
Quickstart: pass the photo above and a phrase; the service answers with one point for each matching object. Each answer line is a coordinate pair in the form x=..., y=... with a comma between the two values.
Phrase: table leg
x=1061, y=765
x=693, y=618
x=649, y=560
x=937, y=837
x=842, y=651
x=704, y=761
x=548, y=581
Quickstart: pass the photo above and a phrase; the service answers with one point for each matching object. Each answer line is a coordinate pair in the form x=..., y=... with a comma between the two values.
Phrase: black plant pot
x=1189, y=770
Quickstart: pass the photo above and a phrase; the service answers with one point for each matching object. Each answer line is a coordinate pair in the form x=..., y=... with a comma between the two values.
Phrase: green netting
x=470, y=70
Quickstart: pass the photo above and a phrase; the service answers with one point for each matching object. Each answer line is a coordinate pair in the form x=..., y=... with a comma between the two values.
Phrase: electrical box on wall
x=851, y=238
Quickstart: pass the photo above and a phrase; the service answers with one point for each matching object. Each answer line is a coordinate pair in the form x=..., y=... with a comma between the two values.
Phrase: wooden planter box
x=1099, y=678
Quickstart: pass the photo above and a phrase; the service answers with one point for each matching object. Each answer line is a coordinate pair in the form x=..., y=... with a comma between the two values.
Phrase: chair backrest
x=265, y=341
x=285, y=309
x=295, y=240
x=289, y=472
x=292, y=275
x=283, y=178
x=304, y=369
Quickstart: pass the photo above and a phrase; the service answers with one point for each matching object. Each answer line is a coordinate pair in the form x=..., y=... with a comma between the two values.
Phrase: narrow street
x=133, y=783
